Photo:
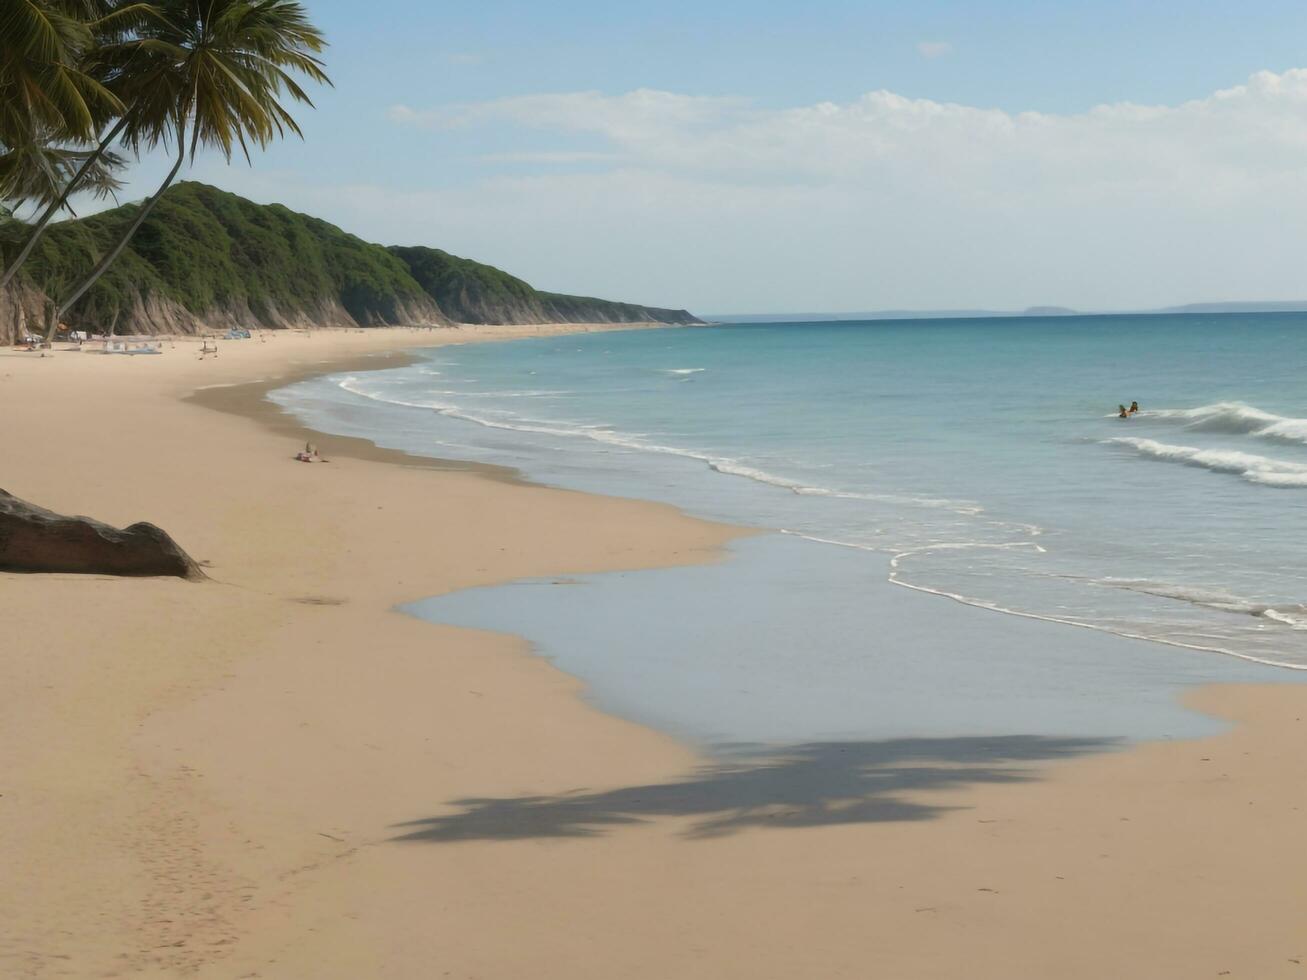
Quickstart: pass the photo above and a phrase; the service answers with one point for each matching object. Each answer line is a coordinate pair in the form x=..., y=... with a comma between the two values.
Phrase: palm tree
x=51, y=105
x=44, y=170
x=48, y=171
x=43, y=85
x=214, y=72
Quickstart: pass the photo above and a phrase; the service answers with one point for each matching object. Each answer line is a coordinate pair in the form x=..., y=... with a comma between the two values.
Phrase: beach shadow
x=807, y=785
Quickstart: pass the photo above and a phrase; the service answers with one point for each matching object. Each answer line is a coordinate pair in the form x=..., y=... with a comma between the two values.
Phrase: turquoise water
x=977, y=459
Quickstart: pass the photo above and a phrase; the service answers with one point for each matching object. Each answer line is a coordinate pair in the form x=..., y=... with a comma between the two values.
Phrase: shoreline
x=249, y=400
x=210, y=780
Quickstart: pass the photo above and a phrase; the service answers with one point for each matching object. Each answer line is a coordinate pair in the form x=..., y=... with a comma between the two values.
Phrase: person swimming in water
x=1134, y=408
x=1123, y=414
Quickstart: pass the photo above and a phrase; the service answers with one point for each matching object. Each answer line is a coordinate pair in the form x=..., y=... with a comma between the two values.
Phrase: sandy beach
x=275, y=774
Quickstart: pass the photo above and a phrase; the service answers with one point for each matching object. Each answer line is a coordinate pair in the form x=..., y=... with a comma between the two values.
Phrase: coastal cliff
x=472, y=292
x=207, y=260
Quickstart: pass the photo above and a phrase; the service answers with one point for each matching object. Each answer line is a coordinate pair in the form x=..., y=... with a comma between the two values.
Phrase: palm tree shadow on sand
x=807, y=785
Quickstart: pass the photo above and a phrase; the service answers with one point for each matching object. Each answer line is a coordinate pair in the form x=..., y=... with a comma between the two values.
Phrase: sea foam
x=1236, y=418
x=1251, y=467
x=604, y=434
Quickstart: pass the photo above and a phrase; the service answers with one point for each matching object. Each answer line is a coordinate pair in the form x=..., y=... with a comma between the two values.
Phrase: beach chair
x=132, y=346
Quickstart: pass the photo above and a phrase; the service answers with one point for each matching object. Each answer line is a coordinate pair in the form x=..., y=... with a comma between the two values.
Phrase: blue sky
x=640, y=151
x=1048, y=56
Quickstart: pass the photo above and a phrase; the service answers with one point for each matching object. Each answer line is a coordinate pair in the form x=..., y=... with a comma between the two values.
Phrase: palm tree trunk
x=38, y=229
x=100, y=267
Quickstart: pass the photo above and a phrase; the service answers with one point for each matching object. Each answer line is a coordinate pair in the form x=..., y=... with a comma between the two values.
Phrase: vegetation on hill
x=205, y=258
x=207, y=250
x=468, y=291
x=471, y=292
x=586, y=309
x=78, y=78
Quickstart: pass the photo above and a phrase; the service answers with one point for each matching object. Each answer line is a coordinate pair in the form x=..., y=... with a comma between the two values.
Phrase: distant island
x=1255, y=306
x=207, y=260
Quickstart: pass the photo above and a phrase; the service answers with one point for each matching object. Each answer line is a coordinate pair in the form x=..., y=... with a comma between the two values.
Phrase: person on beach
x=309, y=454
x=1124, y=413
x=1134, y=408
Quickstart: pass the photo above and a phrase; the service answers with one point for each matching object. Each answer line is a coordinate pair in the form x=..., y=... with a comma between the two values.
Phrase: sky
x=746, y=157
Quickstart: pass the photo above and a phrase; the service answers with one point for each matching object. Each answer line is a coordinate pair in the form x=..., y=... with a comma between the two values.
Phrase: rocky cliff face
x=206, y=260
x=24, y=308
x=21, y=308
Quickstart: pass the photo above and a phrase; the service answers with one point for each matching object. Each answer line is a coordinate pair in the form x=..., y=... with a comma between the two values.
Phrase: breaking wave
x=1236, y=418
x=1251, y=467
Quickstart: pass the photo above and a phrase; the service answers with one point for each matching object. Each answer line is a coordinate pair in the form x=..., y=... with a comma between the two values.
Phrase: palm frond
x=224, y=64
x=44, y=87
x=40, y=172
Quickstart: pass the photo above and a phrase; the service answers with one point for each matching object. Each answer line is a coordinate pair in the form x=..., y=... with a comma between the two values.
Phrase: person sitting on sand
x=1134, y=408
x=1124, y=413
x=309, y=454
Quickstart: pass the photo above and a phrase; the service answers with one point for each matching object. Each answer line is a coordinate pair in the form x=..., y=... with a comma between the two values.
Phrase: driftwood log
x=33, y=539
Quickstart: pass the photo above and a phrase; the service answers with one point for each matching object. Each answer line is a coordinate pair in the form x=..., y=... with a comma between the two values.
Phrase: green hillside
x=208, y=258
x=207, y=250
x=467, y=291
x=471, y=292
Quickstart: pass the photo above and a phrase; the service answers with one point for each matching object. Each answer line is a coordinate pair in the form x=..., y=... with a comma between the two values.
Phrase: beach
x=274, y=773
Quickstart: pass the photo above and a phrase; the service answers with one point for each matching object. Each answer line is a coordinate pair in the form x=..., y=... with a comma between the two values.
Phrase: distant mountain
x=1275, y=306
x=207, y=259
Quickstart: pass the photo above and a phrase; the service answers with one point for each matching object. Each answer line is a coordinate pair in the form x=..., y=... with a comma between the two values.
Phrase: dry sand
x=212, y=779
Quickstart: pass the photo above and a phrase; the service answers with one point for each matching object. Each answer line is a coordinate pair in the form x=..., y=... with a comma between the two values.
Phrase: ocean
x=976, y=461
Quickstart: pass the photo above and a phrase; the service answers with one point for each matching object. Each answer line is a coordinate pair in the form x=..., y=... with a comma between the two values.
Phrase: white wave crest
x=684, y=370
x=1237, y=418
x=1293, y=615
x=1255, y=469
x=351, y=384
x=603, y=434
x=731, y=467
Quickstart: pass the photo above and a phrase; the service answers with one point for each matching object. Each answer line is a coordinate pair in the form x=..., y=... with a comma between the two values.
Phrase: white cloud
x=403, y=114
x=1229, y=137
x=722, y=204
x=934, y=49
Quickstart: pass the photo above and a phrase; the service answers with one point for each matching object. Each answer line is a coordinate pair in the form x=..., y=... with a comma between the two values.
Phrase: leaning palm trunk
x=61, y=201
x=218, y=68
x=102, y=266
